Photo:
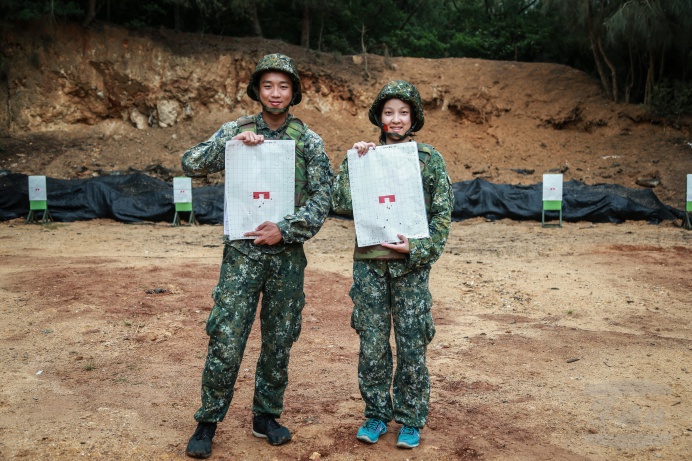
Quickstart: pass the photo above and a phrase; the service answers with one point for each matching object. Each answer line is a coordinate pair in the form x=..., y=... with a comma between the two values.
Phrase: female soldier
x=390, y=281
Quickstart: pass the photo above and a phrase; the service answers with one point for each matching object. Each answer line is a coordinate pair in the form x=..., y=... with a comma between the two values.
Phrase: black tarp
x=135, y=198
x=580, y=202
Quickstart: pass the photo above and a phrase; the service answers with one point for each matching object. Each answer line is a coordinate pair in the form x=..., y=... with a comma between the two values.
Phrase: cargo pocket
x=357, y=318
x=428, y=327
x=216, y=316
x=298, y=320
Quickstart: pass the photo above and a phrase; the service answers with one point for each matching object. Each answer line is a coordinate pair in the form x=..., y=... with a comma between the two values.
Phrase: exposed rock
x=168, y=111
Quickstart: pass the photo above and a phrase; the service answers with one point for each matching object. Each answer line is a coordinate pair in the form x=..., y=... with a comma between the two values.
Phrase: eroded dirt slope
x=79, y=103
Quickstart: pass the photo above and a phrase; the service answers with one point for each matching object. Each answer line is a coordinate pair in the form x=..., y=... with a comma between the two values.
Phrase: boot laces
x=408, y=430
x=372, y=424
x=271, y=423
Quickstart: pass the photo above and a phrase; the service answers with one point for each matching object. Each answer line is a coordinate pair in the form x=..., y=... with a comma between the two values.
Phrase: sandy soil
x=552, y=343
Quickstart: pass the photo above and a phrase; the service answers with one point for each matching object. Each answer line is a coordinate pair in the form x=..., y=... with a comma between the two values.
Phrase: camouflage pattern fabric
x=275, y=271
x=395, y=291
x=280, y=280
x=437, y=186
x=209, y=157
x=380, y=301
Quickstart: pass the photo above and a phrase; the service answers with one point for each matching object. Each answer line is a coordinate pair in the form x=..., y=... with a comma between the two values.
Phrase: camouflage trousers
x=405, y=301
x=279, y=279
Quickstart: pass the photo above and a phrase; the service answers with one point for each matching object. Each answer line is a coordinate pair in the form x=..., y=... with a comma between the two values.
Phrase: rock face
x=140, y=97
x=69, y=75
x=58, y=76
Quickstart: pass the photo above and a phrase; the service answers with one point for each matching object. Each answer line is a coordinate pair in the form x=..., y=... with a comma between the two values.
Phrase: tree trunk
x=412, y=13
x=613, y=71
x=629, y=84
x=176, y=17
x=91, y=13
x=365, y=53
x=256, y=26
x=594, y=24
x=305, y=32
x=599, y=64
x=319, y=36
x=649, y=87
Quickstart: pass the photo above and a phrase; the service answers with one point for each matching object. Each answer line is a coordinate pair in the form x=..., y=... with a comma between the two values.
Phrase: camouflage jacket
x=437, y=186
x=209, y=157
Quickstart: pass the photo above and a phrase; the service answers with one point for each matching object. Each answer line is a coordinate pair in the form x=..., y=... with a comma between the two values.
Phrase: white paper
x=552, y=187
x=37, y=188
x=182, y=190
x=387, y=194
x=689, y=187
x=260, y=185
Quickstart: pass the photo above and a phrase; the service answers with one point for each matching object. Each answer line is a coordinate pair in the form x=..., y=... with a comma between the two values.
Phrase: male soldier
x=272, y=265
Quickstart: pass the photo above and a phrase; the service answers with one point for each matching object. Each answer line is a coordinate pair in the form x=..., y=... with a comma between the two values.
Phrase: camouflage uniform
x=390, y=287
x=248, y=270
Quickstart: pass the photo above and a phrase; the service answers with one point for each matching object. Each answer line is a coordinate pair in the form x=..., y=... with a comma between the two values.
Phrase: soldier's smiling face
x=396, y=116
x=275, y=89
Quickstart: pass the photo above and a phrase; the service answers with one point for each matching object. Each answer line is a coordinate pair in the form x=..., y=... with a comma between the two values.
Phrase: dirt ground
x=552, y=343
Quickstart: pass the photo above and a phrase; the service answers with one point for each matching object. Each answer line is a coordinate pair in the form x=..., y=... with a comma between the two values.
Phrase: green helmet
x=275, y=62
x=405, y=91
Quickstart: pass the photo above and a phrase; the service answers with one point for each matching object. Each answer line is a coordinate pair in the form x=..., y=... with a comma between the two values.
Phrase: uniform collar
x=262, y=125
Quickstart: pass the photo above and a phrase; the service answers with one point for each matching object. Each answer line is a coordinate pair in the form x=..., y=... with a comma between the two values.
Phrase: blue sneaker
x=409, y=437
x=371, y=430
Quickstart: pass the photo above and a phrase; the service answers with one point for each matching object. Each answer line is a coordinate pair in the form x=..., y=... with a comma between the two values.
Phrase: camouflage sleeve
x=341, y=191
x=209, y=156
x=426, y=251
x=305, y=223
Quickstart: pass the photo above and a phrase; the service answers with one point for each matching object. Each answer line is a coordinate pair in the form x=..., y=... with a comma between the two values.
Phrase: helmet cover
x=398, y=89
x=275, y=63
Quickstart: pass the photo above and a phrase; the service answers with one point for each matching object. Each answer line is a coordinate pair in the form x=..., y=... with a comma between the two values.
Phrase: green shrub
x=671, y=98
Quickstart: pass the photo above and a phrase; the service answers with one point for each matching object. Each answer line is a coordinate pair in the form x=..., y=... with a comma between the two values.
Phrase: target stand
x=35, y=207
x=552, y=198
x=552, y=205
x=687, y=219
x=38, y=200
x=184, y=208
x=182, y=198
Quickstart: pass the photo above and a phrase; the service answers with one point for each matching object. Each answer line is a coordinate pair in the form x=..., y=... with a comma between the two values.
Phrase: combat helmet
x=275, y=62
x=399, y=89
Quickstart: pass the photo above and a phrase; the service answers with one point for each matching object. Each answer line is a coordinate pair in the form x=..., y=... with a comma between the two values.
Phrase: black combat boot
x=199, y=445
x=265, y=426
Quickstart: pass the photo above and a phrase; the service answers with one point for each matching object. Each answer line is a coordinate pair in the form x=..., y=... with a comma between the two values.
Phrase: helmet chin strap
x=271, y=110
x=394, y=136
x=274, y=110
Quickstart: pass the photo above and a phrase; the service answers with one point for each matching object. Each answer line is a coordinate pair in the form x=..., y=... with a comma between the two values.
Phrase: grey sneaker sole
x=257, y=434
x=365, y=439
x=406, y=445
x=272, y=442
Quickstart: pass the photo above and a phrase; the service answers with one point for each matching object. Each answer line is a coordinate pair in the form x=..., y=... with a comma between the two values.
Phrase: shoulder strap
x=424, y=152
x=247, y=123
x=296, y=129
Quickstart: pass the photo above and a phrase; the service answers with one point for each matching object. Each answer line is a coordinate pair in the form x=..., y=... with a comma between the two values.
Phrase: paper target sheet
x=552, y=187
x=182, y=190
x=260, y=185
x=387, y=194
x=37, y=188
